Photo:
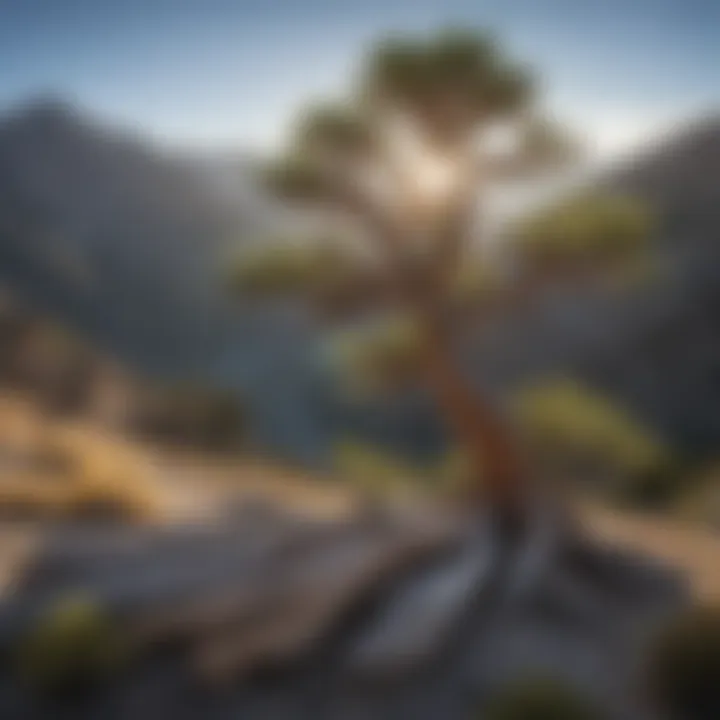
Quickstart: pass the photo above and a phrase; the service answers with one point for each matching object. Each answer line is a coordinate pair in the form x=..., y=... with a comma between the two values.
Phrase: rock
x=382, y=617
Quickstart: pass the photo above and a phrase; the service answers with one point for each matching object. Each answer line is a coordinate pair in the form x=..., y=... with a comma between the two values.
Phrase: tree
x=405, y=161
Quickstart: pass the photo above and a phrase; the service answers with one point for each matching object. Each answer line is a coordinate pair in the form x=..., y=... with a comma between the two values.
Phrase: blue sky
x=213, y=72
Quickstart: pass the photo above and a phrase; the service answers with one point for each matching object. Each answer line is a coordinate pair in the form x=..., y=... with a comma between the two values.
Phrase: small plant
x=541, y=699
x=684, y=668
x=73, y=645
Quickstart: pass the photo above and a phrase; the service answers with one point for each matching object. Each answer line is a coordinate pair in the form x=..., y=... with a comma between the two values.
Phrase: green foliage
x=299, y=176
x=307, y=267
x=446, y=83
x=274, y=268
x=684, y=668
x=476, y=281
x=373, y=471
x=73, y=646
x=565, y=419
x=336, y=130
x=380, y=472
x=443, y=86
x=586, y=231
x=379, y=356
x=541, y=699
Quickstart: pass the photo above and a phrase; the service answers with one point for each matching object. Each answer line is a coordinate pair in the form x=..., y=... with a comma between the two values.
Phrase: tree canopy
x=405, y=158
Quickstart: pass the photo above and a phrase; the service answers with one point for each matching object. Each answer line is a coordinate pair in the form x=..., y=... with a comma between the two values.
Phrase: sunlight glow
x=427, y=178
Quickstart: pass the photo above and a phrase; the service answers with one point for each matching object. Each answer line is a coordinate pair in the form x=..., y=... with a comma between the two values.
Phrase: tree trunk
x=498, y=478
x=497, y=474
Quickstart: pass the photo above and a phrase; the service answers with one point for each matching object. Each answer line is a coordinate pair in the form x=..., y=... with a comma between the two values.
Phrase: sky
x=216, y=72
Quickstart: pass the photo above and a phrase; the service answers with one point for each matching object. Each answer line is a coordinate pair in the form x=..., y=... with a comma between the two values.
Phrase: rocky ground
x=261, y=594
x=337, y=613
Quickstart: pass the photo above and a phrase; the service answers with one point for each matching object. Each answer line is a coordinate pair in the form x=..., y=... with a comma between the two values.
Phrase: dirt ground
x=197, y=488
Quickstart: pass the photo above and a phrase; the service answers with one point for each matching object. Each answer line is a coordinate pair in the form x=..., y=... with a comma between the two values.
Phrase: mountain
x=123, y=241
x=657, y=348
x=129, y=245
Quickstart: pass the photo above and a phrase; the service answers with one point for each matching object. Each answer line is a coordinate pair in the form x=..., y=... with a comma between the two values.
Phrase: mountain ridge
x=130, y=245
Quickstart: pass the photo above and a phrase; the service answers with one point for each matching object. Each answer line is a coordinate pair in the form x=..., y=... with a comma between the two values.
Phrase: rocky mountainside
x=658, y=347
x=114, y=236
x=130, y=244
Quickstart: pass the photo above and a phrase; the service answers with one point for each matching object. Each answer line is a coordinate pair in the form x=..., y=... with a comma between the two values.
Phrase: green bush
x=72, y=646
x=541, y=699
x=684, y=668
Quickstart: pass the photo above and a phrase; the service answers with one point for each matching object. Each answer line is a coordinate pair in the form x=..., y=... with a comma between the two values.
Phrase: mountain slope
x=112, y=235
x=129, y=245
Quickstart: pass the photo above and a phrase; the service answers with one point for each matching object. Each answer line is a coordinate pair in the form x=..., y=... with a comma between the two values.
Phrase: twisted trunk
x=498, y=478
x=497, y=474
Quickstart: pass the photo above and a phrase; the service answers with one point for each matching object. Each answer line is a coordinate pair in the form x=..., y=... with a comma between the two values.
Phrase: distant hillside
x=129, y=245
x=63, y=376
x=659, y=347
x=125, y=242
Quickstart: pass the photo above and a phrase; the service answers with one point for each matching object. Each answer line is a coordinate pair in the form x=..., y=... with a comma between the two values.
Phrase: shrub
x=541, y=699
x=684, y=668
x=73, y=645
